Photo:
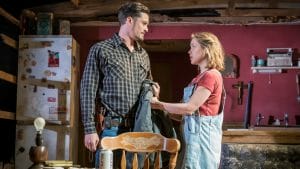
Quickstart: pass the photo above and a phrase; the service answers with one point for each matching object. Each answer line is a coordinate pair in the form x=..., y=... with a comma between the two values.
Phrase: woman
x=202, y=107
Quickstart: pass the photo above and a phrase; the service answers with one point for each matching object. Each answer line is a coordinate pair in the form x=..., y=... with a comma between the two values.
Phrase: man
x=114, y=72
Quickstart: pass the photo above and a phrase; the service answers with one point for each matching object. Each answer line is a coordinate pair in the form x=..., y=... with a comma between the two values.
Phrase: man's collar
x=119, y=42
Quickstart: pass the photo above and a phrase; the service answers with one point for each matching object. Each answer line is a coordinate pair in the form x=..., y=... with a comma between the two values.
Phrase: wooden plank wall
x=9, y=31
x=8, y=66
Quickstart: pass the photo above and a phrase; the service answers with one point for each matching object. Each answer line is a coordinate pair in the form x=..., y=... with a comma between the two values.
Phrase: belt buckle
x=111, y=122
x=115, y=122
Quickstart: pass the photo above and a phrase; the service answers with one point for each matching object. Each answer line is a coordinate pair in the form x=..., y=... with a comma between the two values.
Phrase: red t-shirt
x=211, y=80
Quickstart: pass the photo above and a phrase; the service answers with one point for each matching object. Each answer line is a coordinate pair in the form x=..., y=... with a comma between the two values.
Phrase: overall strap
x=223, y=98
x=197, y=113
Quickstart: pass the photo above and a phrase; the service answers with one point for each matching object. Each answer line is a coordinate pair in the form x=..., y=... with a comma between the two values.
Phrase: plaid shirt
x=114, y=74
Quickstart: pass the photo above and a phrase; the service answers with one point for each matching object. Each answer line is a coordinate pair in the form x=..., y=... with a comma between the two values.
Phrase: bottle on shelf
x=253, y=60
x=286, y=119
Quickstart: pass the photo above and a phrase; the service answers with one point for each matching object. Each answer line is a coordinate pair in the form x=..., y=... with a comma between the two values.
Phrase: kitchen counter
x=273, y=147
x=262, y=135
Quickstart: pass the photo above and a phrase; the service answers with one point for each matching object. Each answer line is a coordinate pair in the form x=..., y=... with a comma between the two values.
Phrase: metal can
x=106, y=159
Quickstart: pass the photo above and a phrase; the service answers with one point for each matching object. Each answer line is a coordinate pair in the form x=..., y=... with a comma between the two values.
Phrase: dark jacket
x=150, y=120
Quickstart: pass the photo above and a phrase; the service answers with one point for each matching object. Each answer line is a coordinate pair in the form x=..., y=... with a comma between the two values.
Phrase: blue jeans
x=202, y=137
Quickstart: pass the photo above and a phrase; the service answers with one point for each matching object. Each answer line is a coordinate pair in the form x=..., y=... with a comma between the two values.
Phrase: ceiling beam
x=91, y=8
x=88, y=10
x=259, y=12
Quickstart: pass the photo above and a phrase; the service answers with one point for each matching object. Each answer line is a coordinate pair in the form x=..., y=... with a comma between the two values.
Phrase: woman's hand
x=156, y=104
x=154, y=100
x=156, y=90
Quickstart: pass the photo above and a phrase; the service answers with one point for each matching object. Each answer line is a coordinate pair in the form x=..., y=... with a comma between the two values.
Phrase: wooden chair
x=143, y=142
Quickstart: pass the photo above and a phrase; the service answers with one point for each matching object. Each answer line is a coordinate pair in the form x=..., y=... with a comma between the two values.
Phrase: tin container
x=260, y=62
x=44, y=23
x=106, y=159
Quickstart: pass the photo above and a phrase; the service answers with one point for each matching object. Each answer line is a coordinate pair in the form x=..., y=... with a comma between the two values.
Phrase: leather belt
x=118, y=121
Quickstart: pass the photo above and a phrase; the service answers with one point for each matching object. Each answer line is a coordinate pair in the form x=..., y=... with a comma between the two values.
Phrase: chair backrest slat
x=123, y=160
x=135, y=161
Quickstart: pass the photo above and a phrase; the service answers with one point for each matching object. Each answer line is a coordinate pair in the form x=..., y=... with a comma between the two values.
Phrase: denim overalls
x=202, y=136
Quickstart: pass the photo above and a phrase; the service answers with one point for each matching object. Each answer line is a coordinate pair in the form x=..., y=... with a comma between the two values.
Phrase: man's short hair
x=133, y=9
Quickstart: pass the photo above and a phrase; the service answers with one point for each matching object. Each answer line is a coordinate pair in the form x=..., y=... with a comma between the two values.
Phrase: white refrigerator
x=47, y=87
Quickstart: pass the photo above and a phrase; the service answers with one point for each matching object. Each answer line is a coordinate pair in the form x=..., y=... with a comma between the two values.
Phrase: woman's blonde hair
x=213, y=49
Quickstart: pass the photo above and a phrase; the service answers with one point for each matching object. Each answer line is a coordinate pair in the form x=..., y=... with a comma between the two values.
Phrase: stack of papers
x=59, y=163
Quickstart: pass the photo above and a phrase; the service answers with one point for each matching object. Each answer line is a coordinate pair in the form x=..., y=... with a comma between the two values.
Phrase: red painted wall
x=272, y=95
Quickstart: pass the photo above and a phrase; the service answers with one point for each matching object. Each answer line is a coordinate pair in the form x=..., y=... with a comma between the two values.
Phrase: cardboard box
x=64, y=27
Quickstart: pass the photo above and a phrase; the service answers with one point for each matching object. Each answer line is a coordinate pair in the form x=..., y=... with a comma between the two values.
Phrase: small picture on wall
x=231, y=67
x=53, y=59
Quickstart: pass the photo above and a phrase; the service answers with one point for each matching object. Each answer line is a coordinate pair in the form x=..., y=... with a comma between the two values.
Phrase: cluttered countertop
x=263, y=135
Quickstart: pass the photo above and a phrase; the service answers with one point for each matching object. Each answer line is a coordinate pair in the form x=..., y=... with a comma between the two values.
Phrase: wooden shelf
x=8, y=77
x=12, y=79
x=268, y=69
x=7, y=115
x=8, y=41
x=9, y=17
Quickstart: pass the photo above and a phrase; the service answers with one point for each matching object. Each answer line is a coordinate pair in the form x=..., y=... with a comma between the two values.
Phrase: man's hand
x=156, y=90
x=91, y=141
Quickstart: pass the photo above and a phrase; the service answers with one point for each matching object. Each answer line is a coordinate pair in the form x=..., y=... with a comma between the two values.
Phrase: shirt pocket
x=115, y=69
x=143, y=71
